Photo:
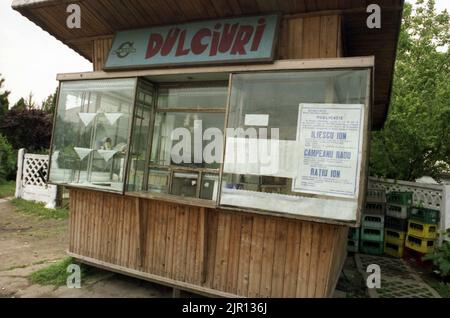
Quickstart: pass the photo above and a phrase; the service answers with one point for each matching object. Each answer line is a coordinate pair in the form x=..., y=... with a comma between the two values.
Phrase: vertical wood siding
x=238, y=253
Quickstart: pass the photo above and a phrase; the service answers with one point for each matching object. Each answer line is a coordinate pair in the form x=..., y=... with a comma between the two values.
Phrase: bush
x=27, y=128
x=441, y=257
x=7, y=160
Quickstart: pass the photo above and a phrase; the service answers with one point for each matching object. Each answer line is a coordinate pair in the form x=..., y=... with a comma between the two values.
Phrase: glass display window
x=294, y=141
x=91, y=133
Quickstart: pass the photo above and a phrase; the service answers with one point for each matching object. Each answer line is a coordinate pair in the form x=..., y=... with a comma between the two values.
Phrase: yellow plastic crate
x=394, y=236
x=393, y=249
x=420, y=229
x=420, y=244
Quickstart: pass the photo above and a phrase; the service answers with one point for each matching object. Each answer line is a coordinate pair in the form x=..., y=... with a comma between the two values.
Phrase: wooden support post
x=176, y=293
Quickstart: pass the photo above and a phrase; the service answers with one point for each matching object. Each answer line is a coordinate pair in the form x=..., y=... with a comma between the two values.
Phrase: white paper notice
x=256, y=120
x=329, y=138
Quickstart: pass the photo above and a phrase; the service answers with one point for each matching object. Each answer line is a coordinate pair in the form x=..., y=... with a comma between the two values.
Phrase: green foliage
x=7, y=160
x=442, y=288
x=415, y=139
x=49, y=104
x=7, y=189
x=28, y=128
x=20, y=105
x=39, y=209
x=23, y=104
x=56, y=274
x=441, y=257
x=4, y=102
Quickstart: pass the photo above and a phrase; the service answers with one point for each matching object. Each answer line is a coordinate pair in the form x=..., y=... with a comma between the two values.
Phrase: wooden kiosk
x=312, y=70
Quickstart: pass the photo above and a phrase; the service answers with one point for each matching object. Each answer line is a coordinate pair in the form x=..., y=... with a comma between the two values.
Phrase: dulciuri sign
x=249, y=39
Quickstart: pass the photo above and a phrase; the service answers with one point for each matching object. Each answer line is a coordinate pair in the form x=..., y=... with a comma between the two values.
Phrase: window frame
x=363, y=171
x=129, y=135
x=172, y=169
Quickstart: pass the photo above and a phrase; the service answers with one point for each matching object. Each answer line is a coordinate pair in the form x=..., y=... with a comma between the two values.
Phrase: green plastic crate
x=352, y=246
x=428, y=216
x=372, y=234
x=396, y=223
x=401, y=198
x=376, y=196
x=353, y=233
x=371, y=247
x=373, y=221
x=375, y=208
x=397, y=211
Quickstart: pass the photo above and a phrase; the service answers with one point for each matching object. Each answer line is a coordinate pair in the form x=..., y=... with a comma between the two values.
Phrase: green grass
x=7, y=189
x=56, y=274
x=39, y=209
x=442, y=288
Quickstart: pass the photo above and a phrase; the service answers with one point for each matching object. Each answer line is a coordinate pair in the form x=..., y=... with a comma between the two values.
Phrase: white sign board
x=329, y=138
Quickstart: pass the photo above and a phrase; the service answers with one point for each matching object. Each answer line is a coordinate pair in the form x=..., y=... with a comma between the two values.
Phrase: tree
x=27, y=128
x=23, y=103
x=7, y=160
x=415, y=140
x=49, y=104
x=30, y=102
x=20, y=104
x=4, y=102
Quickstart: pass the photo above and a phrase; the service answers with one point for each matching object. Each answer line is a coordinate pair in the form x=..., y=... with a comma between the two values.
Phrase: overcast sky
x=30, y=58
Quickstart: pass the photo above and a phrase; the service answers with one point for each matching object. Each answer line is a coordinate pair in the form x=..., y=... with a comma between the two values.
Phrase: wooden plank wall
x=310, y=37
x=299, y=38
x=101, y=47
x=241, y=254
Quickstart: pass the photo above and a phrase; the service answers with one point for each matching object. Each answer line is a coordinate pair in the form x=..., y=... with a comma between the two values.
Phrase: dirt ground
x=28, y=243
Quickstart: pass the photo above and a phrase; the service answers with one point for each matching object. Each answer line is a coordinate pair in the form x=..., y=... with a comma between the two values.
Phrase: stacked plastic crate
x=353, y=239
x=422, y=232
x=372, y=224
x=398, y=205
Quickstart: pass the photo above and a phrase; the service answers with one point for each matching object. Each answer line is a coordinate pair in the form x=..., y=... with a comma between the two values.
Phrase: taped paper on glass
x=87, y=118
x=113, y=117
x=83, y=152
x=343, y=210
x=257, y=120
x=261, y=157
x=329, y=138
x=107, y=154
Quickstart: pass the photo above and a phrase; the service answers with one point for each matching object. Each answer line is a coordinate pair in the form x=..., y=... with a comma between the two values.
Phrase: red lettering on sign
x=170, y=41
x=215, y=40
x=196, y=44
x=180, y=48
x=222, y=38
x=258, y=34
x=242, y=38
x=228, y=35
x=154, y=45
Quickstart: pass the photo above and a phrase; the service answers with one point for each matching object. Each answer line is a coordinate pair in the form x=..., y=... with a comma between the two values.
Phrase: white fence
x=31, y=183
x=433, y=196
